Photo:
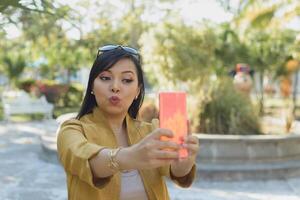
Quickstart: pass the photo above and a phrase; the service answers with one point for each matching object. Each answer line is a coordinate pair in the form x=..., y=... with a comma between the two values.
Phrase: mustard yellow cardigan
x=80, y=140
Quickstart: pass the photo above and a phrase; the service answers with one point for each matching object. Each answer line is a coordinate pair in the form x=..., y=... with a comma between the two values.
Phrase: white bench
x=19, y=102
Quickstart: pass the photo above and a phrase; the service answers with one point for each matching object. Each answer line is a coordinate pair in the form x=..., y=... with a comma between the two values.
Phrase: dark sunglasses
x=130, y=50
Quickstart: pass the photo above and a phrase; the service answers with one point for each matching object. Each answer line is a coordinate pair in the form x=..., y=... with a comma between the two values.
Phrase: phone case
x=173, y=115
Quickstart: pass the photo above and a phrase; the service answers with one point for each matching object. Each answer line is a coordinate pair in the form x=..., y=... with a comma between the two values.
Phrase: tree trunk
x=68, y=76
x=261, y=100
x=295, y=94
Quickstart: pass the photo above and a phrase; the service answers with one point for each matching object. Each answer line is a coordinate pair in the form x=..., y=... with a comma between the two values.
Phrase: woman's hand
x=150, y=152
x=183, y=165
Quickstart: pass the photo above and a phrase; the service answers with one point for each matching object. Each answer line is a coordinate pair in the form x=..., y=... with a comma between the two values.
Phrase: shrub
x=228, y=111
x=26, y=84
x=73, y=96
x=53, y=92
x=148, y=111
x=61, y=95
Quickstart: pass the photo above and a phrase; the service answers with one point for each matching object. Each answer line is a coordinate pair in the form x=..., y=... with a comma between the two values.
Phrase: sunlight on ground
x=24, y=140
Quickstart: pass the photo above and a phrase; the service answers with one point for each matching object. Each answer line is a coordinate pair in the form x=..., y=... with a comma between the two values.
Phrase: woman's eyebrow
x=127, y=72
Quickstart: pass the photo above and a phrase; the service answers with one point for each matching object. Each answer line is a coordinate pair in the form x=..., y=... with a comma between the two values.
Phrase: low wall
x=232, y=157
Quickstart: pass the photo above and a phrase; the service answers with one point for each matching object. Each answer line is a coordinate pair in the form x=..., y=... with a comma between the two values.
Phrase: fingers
x=193, y=148
x=167, y=145
x=191, y=139
x=166, y=154
x=159, y=132
x=159, y=162
x=191, y=143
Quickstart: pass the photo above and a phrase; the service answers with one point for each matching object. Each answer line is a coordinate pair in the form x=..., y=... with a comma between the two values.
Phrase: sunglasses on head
x=130, y=50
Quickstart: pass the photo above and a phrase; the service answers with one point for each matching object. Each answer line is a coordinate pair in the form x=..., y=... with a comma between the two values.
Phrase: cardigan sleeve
x=74, y=152
x=184, y=181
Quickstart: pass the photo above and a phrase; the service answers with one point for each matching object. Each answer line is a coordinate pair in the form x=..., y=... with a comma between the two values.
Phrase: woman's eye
x=127, y=80
x=104, y=78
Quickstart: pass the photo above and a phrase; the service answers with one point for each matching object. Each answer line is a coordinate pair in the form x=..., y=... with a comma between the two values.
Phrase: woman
x=107, y=153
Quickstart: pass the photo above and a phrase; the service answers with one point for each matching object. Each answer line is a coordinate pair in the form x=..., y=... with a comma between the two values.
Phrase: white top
x=132, y=187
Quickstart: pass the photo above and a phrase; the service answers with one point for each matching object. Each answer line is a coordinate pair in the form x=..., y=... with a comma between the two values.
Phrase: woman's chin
x=116, y=111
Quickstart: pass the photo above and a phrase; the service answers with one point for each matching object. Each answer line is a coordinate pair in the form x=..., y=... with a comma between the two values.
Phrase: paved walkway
x=27, y=174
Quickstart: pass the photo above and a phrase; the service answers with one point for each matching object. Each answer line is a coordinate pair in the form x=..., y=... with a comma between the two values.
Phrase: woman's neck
x=116, y=122
x=118, y=126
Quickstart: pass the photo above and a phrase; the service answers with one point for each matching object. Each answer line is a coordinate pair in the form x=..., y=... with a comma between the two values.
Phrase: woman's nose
x=115, y=87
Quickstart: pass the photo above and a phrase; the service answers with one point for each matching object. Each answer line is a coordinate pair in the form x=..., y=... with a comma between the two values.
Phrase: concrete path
x=24, y=173
x=27, y=174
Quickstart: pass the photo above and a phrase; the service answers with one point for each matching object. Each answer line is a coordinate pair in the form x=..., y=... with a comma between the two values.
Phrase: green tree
x=230, y=50
x=12, y=11
x=13, y=60
x=268, y=52
x=178, y=60
x=265, y=13
x=33, y=5
x=14, y=66
x=262, y=25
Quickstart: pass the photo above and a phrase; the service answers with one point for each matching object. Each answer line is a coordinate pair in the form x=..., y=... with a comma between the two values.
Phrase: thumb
x=155, y=123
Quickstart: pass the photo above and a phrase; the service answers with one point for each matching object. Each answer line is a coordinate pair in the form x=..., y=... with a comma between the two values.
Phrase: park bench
x=20, y=102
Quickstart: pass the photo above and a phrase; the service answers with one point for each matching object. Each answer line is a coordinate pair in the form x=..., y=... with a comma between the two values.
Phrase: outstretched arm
x=149, y=153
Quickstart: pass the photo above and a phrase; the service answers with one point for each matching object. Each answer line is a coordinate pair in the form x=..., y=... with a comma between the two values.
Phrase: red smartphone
x=173, y=116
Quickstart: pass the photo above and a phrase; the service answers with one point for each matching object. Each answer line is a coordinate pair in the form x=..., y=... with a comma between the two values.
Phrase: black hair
x=103, y=62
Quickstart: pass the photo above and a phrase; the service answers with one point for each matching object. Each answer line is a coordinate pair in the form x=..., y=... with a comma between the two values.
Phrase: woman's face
x=117, y=87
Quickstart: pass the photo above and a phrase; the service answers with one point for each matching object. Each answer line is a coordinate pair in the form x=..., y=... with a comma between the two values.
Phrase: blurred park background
x=238, y=60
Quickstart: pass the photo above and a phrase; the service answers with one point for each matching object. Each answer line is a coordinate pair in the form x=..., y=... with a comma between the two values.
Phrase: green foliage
x=264, y=18
x=1, y=112
x=26, y=84
x=269, y=49
x=63, y=110
x=228, y=112
x=266, y=14
x=230, y=50
x=73, y=97
x=33, y=5
x=169, y=57
x=13, y=66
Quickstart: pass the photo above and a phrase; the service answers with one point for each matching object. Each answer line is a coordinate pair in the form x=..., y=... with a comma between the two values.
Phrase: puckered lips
x=114, y=100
